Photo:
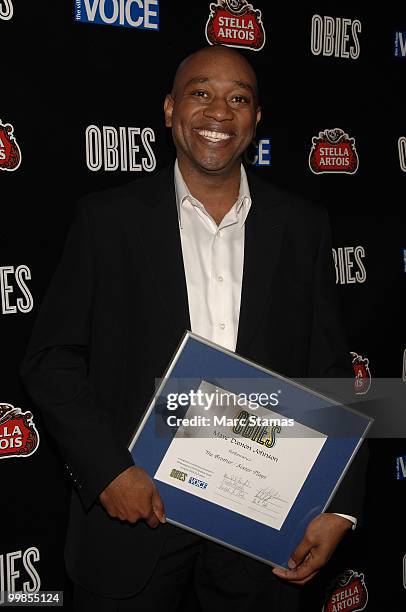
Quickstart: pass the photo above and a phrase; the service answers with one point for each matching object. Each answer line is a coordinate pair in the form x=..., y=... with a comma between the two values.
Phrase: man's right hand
x=132, y=496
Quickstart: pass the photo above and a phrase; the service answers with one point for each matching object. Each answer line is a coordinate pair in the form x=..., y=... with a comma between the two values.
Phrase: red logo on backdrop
x=18, y=435
x=348, y=592
x=10, y=154
x=333, y=151
x=362, y=382
x=235, y=23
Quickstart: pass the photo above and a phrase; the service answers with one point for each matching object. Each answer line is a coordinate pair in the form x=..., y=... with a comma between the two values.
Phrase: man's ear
x=168, y=110
x=259, y=115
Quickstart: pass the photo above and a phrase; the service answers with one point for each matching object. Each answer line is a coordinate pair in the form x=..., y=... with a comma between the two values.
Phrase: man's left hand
x=321, y=538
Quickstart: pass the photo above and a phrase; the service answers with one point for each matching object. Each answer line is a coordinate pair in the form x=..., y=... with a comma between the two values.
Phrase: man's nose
x=218, y=109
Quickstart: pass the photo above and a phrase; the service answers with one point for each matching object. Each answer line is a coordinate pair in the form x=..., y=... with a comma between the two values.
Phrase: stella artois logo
x=362, y=382
x=10, y=154
x=333, y=151
x=18, y=435
x=235, y=23
x=348, y=592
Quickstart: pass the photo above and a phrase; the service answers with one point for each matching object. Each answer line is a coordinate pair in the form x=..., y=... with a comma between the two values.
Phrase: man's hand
x=321, y=537
x=132, y=496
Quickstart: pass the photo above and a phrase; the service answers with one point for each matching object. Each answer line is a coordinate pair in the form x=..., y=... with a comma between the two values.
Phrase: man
x=202, y=248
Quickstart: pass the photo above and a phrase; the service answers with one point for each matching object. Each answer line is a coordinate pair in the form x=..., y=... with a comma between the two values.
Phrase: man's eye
x=240, y=99
x=199, y=93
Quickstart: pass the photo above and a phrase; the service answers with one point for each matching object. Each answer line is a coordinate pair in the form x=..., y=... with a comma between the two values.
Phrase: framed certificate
x=240, y=454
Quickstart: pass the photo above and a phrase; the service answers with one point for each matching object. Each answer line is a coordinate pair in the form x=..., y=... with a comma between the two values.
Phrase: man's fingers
x=158, y=506
x=322, y=536
x=133, y=496
x=299, y=576
x=300, y=553
x=301, y=582
x=152, y=520
x=304, y=581
x=111, y=509
x=123, y=514
x=303, y=572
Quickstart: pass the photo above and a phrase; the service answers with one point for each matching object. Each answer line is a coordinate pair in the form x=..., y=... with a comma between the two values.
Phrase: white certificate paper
x=259, y=479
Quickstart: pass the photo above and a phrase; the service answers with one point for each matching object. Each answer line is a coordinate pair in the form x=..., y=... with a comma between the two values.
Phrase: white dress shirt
x=213, y=259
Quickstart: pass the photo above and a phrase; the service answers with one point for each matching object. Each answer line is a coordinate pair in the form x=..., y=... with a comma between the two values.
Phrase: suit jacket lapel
x=160, y=234
x=263, y=237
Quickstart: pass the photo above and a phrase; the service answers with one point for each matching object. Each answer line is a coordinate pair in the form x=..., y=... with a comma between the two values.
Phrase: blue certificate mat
x=240, y=454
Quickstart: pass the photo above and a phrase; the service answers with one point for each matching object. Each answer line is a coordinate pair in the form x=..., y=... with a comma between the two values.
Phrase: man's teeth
x=214, y=136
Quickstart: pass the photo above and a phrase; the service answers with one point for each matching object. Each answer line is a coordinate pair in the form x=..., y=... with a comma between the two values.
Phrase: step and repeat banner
x=82, y=90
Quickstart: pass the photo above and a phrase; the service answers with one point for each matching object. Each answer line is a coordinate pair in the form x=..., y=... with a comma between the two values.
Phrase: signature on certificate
x=269, y=498
x=234, y=485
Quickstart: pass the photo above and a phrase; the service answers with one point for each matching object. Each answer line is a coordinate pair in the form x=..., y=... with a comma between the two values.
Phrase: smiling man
x=198, y=246
x=213, y=111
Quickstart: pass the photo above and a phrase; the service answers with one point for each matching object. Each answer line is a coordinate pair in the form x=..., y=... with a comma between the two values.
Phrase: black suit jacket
x=112, y=318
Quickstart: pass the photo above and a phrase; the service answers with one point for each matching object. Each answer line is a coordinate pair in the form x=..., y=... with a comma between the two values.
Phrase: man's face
x=212, y=111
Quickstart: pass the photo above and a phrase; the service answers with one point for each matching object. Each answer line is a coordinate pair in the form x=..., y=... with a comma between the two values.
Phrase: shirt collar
x=241, y=206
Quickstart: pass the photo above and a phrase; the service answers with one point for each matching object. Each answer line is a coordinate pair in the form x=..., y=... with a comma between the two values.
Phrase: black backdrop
x=61, y=75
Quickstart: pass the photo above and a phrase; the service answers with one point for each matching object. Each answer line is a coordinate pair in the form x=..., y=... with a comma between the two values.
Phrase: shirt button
x=222, y=325
x=220, y=279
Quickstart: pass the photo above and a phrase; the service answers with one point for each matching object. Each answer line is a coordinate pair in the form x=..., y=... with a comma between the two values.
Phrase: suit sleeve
x=55, y=370
x=330, y=358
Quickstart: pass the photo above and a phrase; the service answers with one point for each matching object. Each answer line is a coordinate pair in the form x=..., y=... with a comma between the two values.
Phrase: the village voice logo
x=235, y=23
x=400, y=44
x=259, y=153
x=142, y=14
x=333, y=151
x=6, y=9
x=401, y=467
